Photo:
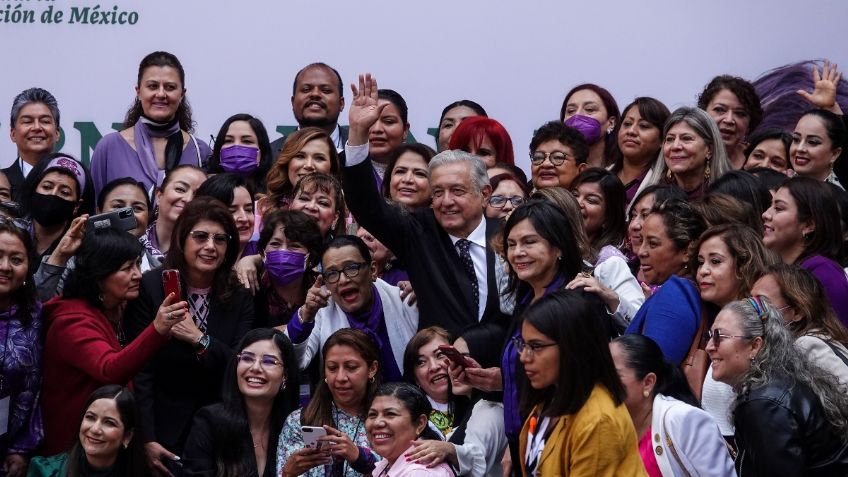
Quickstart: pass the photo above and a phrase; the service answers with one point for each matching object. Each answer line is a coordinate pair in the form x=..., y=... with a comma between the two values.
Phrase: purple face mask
x=589, y=127
x=284, y=266
x=239, y=159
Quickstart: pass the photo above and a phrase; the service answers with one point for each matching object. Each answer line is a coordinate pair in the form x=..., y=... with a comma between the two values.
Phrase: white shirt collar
x=26, y=168
x=335, y=136
x=477, y=236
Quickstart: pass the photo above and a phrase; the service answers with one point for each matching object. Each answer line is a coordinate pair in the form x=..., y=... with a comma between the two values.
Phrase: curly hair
x=742, y=89
x=750, y=257
x=277, y=180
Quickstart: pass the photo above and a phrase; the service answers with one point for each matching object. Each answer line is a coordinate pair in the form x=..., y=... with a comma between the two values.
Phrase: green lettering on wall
x=89, y=137
x=61, y=142
x=435, y=133
x=286, y=130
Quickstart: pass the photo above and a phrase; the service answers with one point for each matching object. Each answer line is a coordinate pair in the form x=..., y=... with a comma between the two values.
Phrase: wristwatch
x=202, y=344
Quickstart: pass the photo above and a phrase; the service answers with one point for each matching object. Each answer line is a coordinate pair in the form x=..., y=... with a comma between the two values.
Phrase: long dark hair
x=643, y=356
x=319, y=411
x=228, y=433
x=815, y=202
x=257, y=178
x=206, y=208
x=615, y=200
x=130, y=459
x=414, y=400
x=161, y=59
x=25, y=296
x=584, y=356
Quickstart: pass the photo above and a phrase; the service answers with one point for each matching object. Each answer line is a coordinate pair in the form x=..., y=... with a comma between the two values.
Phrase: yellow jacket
x=597, y=441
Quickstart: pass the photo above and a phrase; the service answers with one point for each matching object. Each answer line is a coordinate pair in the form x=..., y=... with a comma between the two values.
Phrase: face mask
x=239, y=159
x=284, y=266
x=589, y=127
x=51, y=210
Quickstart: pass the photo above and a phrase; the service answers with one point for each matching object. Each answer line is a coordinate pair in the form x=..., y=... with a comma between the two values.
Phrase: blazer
x=687, y=441
x=177, y=382
x=201, y=449
x=16, y=179
x=445, y=296
x=597, y=441
x=277, y=144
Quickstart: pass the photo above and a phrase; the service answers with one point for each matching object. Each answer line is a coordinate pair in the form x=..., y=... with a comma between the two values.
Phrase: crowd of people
x=665, y=294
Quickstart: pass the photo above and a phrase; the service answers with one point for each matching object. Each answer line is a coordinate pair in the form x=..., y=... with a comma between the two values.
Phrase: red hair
x=470, y=132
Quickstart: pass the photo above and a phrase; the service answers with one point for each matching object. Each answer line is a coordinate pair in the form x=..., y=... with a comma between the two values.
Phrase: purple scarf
x=373, y=323
x=143, y=132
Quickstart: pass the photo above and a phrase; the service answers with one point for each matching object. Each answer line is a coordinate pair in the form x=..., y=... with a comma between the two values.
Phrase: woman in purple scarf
x=157, y=135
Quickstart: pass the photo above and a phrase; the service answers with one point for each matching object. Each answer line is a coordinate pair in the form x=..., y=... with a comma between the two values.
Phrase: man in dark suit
x=317, y=100
x=35, y=130
x=453, y=270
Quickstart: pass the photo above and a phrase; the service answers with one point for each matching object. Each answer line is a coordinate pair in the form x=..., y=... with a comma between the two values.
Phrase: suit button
x=657, y=437
x=659, y=450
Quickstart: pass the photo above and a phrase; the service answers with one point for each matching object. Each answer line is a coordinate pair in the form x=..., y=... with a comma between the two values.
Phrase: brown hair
x=279, y=187
x=317, y=181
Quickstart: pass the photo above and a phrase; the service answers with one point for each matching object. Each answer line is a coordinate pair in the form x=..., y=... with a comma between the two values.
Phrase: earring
x=559, y=258
x=668, y=174
x=283, y=385
x=646, y=393
x=707, y=171
x=609, y=131
x=371, y=380
x=100, y=297
x=325, y=381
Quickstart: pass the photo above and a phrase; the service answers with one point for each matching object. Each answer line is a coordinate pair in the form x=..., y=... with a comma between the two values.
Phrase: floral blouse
x=21, y=349
x=291, y=441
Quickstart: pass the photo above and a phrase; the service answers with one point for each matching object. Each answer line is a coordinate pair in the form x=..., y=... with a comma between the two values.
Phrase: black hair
x=742, y=89
x=463, y=102
x=484, y=340
x=651, y=110
x=575, y=325
x=85, y=196
x=841, y=196
x=114, y=184
x=161, y=59
x=742, y=185
x=319, y=65
x=396, y=99
x=222, y=187
x=552, y=225
x=514, y=170
x=643, y=355
x=266, y=159
x=350, y=241
x=834, y=126
x=102, y=253
x=131, y=461
x=233, y=423
x=557, y=131
x=614, y=226
x=768, y=134
x=298, y=227
x=25, y=296
x=423, y=150
x=815, y=202
x=414, y=400
x=769, y=178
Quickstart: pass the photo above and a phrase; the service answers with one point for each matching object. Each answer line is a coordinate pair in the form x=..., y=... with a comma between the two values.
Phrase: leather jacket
x=781, y=429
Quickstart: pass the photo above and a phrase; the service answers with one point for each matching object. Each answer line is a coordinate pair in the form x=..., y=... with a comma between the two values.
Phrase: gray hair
x=479, y=177
x=707, y=129
x=34, y=95
x=778, y=357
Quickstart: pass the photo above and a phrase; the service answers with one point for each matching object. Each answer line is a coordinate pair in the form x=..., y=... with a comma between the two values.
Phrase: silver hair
x=34, y=95
x=479, y=177
x=707, y=129
x=778, y=357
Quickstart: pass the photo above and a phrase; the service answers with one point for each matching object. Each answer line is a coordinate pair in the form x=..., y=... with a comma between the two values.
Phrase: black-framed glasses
x=556, y=157
x=717, y=336
x=499, y=201
x=350, y=270
x=266, y=361
x=201, y=237
x=20, y=224
x=532, y=347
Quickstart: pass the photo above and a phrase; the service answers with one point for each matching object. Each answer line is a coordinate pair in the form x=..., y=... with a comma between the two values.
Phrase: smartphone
x=171, y=283
x=311, y=435
x=452, y=354
x=121, y=219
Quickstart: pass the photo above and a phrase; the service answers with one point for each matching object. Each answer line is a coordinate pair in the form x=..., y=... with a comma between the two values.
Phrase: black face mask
x=51, y=210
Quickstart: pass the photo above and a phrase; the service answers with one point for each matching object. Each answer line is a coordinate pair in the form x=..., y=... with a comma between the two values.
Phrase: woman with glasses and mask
x=237, y=437
x=508, y=192
x=577, y=422
x=791, y=416
x=186, y=373
x=346, y=295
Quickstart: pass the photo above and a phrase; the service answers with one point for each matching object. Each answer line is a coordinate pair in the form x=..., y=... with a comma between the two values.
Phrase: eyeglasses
x=201, y=237
x=717, y=336
x=532, y=347
x=11, y=208
x=266, y=361
x=499, y=201
x=350, y=270
x=556, y=158
x=20, y=224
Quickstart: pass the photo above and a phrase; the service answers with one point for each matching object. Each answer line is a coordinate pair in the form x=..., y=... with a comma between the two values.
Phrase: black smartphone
x=121, y=219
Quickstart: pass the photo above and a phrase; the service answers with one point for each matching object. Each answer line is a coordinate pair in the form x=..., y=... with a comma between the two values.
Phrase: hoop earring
x=371, y=380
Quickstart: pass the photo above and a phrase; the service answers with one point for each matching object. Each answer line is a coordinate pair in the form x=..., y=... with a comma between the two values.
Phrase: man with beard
x=317, y=100
x=34, y=130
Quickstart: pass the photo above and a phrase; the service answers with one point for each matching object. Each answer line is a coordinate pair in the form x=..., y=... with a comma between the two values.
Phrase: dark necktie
x=465, y=257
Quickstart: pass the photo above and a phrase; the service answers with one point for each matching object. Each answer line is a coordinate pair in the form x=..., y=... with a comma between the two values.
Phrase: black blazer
x=277, y=145
x=177, y=382
x=445, y=296
x=198, y=458
x=16, y=179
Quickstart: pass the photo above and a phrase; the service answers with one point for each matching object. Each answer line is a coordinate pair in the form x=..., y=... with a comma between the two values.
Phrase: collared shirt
x=25, y=166
x=477, y=237
x=336, y=137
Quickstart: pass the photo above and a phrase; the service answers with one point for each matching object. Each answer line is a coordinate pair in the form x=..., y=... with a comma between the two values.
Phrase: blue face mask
x=284, y=266
x=239, y=159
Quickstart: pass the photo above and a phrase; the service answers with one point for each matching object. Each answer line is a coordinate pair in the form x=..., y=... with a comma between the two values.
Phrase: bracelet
x=203, y=344
x=300, y=316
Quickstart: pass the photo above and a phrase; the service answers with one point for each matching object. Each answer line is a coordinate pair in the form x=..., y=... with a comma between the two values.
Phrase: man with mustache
x=317, y=100
x=34, y=130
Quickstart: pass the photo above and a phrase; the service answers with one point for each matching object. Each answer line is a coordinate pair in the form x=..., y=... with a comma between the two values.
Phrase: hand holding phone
x=120, y=219
x=311, y=436
x=171, y=283
x=455, y=356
